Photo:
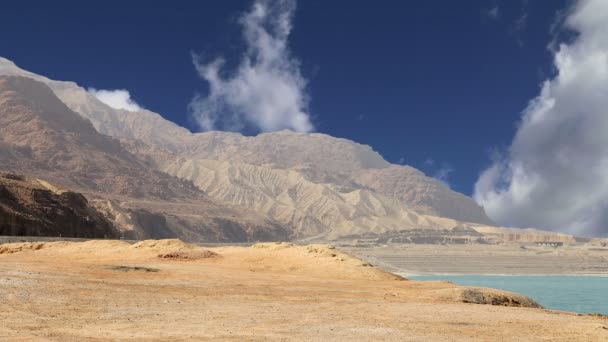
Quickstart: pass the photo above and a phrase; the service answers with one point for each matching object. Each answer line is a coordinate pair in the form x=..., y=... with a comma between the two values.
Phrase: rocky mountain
x=33, y=207
x=43, y=138
x=48, y=139
x=420, y=193
x=151, y=176
x=318, y=157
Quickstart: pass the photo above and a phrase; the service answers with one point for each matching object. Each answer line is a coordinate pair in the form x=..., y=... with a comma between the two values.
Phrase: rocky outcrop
x=478, y=295
x=29, y=207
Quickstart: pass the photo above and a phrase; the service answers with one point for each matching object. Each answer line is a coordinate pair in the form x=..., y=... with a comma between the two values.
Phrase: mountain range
x=152, y=178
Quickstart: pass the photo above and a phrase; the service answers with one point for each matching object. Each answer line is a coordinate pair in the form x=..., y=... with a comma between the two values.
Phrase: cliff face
x=29, y=207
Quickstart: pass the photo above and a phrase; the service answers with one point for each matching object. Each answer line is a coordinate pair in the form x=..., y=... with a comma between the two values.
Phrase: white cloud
x=555, y=173
x=518, y=26
x=443, y=174
x=492, y=12
x=267, y=91
x=520, y=23
x=117, y=99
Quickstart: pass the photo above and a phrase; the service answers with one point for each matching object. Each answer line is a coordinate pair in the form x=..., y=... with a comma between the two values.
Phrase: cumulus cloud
x=117, y=99
x=266, y=92
x=555, y=173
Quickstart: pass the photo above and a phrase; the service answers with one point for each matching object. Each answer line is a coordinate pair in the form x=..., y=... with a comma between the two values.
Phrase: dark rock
x=27, y=208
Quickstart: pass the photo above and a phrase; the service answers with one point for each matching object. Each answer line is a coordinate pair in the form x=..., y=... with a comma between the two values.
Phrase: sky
x=453, y=88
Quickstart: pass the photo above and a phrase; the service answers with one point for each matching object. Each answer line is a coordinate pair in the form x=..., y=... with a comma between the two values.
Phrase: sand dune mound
x=322, y=261
x=96, y=247
x=162, y=246
x=11, y=248
x=174, y=249
x=189, y=255
x=109, y=249
x=272, y=245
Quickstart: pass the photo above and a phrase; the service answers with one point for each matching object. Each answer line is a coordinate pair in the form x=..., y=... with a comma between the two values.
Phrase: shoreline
x=593, y=275
x=579, y=294
x=501, y=260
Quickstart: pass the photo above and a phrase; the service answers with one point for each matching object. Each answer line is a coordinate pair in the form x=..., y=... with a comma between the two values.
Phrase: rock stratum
x=154, y=179
x=33, y=207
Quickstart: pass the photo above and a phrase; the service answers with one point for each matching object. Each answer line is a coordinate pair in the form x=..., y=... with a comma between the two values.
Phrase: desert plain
x=169, y=290
x=502, y=259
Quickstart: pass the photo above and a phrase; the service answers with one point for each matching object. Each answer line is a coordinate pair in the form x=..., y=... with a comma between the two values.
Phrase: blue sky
x=433, y=84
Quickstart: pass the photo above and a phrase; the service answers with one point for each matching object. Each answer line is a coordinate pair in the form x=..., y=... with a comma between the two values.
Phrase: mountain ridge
x=279, y=185
x=319, y=157
x=43, y=138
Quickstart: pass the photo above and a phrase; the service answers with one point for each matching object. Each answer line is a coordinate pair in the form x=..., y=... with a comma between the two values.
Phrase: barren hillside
x=43, y=138
x=153, y=178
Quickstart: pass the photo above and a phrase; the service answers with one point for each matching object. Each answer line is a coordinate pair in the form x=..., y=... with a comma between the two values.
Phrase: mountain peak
x=4, y=61
x=8, y=67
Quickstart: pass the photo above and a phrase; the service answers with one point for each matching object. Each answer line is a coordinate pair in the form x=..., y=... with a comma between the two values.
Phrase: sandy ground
x=486, y=259
x=110, y=290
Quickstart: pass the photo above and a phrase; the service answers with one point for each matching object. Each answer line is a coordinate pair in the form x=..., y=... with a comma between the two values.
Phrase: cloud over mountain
x=267, y=91
x=117, y=99
x=555, y=173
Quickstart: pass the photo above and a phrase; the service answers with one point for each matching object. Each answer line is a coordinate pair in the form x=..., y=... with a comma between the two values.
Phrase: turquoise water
x=580, y=294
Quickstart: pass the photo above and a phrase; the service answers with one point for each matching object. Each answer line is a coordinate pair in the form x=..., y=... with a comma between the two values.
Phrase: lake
x=582, y=294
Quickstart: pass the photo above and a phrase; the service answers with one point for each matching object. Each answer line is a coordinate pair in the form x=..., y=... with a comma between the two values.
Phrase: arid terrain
x=161, y=290
x=520, y=258
x=194, y=194
x=73, y=166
